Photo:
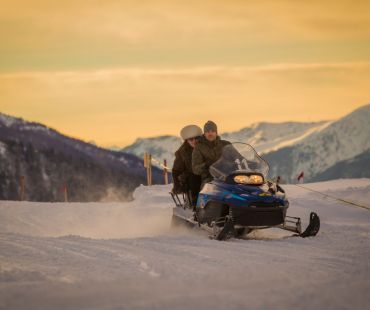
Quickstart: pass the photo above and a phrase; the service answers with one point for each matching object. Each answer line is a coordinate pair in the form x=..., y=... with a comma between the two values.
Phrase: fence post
x=148, y=166
x=65, y=190
x=165, y=172
x=21, y=192
x=150, y=169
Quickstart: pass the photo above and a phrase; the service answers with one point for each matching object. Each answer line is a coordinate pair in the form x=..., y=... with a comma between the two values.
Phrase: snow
x=124, y=256
x=267, y=137
x=295, y=139
x=342, y=140
x=35, y=127
x=3, y=148
x=7, y=120
x=163, y=147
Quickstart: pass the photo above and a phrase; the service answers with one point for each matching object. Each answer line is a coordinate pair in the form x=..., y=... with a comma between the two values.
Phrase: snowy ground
x=124, y=256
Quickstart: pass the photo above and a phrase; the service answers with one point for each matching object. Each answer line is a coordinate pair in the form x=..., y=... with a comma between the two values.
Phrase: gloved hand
x=182, y=179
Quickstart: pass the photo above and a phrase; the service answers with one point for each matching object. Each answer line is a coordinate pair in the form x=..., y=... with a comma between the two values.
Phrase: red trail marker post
x=300, y=177
x=21, y=187
x=65, y=192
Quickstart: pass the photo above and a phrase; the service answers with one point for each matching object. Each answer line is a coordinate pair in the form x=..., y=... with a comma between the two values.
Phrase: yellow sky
x=111, y=71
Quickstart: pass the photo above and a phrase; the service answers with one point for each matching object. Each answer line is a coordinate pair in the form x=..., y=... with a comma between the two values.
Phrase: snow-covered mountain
x=48, y=160
x=162, y=147
x=265, y=137
x=358, y=166
x=290, y=147
x=339, y=141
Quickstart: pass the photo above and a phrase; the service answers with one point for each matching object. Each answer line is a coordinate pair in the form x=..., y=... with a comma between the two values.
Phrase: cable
x=335, y=198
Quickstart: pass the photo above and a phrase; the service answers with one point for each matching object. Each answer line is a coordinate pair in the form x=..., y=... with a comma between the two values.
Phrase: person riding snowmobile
x=207, y=151
x=184, y=180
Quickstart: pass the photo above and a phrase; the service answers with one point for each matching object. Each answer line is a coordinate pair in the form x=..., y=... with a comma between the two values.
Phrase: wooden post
x=150, y=169
x=21, y=191
x=148, y=166
x=165, y=172
x=65, y=191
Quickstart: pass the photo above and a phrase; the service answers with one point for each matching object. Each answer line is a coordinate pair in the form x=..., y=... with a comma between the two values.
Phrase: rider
x=207, y=151
x=184, y=180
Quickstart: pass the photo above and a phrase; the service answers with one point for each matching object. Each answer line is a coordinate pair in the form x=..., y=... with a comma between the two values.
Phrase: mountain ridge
x=341, y=140
x=289, y=147
x=49, y=159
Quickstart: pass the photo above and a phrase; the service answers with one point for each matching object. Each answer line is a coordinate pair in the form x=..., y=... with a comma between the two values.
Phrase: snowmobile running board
x=293, y=224
x=229, y=230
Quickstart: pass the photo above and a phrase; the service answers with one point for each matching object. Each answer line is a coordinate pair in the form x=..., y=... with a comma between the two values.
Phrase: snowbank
x=148, y=215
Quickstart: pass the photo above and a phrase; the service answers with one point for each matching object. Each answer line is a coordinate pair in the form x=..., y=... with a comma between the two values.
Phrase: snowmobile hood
x=246, y=192
x=240, y=188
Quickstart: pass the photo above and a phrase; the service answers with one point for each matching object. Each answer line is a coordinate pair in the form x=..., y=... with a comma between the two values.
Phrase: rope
x=335, y=198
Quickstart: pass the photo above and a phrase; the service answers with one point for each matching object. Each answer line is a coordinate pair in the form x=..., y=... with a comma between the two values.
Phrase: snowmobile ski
x=313, y=227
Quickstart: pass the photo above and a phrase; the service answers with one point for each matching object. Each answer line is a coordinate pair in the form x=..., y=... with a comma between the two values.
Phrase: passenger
x=207, y=151
x=184, y=180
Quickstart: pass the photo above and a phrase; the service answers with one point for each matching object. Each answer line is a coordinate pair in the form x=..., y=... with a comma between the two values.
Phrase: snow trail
x=79, y=256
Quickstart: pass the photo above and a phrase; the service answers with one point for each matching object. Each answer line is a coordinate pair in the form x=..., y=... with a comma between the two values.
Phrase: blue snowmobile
x=239, y=199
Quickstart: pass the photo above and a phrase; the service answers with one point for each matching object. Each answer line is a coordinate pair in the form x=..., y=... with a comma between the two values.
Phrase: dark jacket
x=205, y=154
x=182, y=173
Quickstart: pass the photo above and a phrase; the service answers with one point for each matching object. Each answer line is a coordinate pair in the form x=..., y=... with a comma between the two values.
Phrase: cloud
x=231, y=72
x=88, y=33
x=116, y=105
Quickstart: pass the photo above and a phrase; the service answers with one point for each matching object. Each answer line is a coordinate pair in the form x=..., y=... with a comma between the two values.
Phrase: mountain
x=357, y=167
x=263, y=136
x=48, y=160
x=266, y=137
x=162, y=147
x=338, y=142
x=289, y=147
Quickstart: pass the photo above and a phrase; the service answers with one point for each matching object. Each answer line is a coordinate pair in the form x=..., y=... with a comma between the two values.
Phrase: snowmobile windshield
x=238, y=158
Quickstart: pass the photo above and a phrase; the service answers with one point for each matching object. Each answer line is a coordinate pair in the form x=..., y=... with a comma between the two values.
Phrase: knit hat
x=190, y=131
x=210, y=126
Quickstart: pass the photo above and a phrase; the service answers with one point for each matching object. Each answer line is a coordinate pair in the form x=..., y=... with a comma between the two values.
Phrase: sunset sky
x=112, y=71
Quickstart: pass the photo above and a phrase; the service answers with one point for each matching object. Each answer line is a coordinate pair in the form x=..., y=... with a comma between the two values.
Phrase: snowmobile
x=239, y=199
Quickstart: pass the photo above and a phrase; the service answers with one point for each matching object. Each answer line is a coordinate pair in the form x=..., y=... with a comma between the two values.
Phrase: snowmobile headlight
x=248, y=179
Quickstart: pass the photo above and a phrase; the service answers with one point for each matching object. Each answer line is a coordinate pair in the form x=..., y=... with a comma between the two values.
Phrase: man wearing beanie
x=207, y=151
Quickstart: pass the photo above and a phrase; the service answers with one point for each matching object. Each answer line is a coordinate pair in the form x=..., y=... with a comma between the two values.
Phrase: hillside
x=317, y=148
x=50, y=160
x=338, y=142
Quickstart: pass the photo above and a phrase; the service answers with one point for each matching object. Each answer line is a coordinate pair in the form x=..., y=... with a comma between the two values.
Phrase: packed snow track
x=125, y=256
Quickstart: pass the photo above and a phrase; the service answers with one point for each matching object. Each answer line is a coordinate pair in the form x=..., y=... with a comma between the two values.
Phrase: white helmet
x=190, y=131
